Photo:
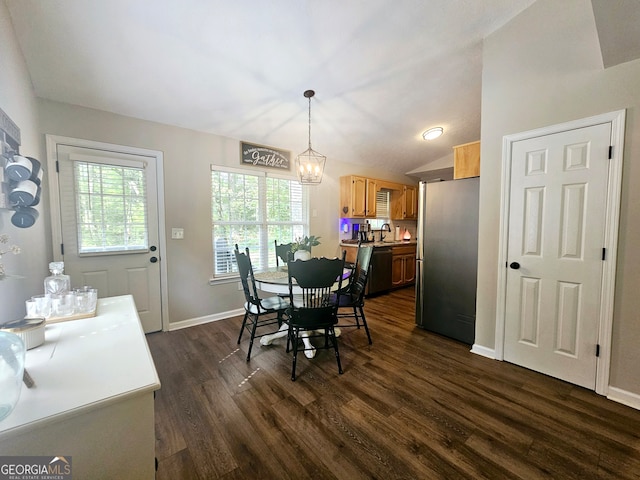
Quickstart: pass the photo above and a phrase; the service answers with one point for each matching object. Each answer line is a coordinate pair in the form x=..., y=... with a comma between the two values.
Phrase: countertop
x=83, y=365
x=384, y=243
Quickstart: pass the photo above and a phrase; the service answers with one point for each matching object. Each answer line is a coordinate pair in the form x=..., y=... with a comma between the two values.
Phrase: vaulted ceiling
x=383, y=70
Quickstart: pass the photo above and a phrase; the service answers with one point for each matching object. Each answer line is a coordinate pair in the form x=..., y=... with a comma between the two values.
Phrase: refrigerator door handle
x=420, y=225
x=419, y=293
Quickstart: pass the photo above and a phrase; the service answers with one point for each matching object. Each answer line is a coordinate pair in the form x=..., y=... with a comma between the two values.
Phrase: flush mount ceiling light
x=432, y=133
x=310, y=164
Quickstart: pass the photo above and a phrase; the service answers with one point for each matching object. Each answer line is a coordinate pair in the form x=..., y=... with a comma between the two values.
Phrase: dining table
x=276, y=280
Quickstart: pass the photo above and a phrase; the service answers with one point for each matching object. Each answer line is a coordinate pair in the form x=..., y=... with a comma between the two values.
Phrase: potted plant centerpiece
x=301, y=248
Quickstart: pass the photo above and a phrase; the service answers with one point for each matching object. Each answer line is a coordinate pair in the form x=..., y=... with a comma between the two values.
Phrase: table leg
x=268, y=339
x=310, y=350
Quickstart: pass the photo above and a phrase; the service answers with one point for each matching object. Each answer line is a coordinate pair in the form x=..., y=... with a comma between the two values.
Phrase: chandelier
x=310, y=164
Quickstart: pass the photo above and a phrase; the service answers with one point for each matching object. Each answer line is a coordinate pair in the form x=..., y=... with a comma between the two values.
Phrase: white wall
x=187, y=159
x=543, y=68
x=19, y=103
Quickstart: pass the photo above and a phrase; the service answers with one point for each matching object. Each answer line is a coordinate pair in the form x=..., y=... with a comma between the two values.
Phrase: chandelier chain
x=309, y=123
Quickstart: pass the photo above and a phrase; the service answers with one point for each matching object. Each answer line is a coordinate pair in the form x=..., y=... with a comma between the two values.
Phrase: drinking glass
x=62, y=305
x=31, y=308
x=89, y=297
x=43, y=305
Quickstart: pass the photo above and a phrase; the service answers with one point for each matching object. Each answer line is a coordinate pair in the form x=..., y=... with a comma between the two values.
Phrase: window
x=252, y=209
x=111, y=208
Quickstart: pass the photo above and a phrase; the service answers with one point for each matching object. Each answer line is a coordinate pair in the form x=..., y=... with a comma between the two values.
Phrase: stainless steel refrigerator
x=447, y=258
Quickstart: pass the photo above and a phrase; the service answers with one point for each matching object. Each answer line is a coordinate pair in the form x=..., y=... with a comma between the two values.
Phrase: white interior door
x=109, y=226
x=556, y=235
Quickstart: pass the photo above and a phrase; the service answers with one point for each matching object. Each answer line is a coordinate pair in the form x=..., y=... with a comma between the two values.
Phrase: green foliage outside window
x=111, y=208
x=252, y=210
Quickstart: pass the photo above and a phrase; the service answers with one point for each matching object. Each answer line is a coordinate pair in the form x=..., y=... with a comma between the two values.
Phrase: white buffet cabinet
x=93, y=399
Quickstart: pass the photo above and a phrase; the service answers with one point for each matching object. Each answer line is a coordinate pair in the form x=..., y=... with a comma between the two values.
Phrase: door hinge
x=62, y=249
x=597, y=350
x=610, y=152
x=604, y=254
x=57, y=167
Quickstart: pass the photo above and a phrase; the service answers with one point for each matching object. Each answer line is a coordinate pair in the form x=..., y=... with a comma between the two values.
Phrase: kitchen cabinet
x=403, y=265
x=352, y=253
x=358, y=198
x=370, y=203
x=353, y=196
x=410, y=202
x=466, y=160
x=404, y=203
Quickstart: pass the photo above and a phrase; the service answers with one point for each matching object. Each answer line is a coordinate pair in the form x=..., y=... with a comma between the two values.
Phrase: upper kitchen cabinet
x=404, y=203
x=372, y=191
x=466, y=160
x=353, y=196
x=410, y=202
x=358, y=196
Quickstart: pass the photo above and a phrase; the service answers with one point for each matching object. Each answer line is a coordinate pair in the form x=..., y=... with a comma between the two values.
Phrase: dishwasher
x=379, y=271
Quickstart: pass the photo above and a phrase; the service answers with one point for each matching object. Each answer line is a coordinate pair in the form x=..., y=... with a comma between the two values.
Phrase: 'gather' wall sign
x=262, y=156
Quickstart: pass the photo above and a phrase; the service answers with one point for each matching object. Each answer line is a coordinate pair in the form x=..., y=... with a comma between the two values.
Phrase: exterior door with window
x=109, y=225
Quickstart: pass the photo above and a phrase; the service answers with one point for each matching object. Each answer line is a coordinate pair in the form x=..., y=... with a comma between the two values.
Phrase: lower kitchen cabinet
x=403, y=266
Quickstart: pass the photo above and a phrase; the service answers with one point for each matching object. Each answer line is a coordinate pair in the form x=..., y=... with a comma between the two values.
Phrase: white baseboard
x=483, y=351
x=626, y=398
x=209, y=318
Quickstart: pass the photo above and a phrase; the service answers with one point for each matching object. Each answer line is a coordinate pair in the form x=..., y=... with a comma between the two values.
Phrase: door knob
x=514, y=265
x=153, y=248
x=153, y=259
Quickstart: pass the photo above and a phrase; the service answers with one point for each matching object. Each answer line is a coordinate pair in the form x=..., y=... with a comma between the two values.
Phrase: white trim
x=483, y=351
x=192, y=322
x=241, y=171
x=52, y=142
x=101, y=160
x=257, y=173
x=617, y=120
x=624, y=397
x=231, y=278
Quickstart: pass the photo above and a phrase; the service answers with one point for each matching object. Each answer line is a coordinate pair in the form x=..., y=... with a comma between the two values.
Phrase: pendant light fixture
x=310, y=164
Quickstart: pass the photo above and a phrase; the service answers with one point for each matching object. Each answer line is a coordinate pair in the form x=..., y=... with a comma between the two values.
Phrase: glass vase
x=12, y=354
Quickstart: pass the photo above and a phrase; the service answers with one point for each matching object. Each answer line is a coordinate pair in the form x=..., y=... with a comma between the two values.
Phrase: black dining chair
x=313, y=309
x=352, y=296
x=283, y=252
x=258, y=312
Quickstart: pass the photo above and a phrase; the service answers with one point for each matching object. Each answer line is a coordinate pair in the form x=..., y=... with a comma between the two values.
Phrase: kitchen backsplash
x=346, y=227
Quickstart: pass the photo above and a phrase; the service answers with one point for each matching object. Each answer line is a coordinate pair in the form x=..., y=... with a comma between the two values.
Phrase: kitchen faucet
x=382, y=229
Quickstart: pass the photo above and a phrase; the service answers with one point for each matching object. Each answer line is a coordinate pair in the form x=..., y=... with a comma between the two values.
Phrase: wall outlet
x=177, y=233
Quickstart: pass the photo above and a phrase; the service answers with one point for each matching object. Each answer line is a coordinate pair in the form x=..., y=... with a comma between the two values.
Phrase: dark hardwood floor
x=413, y=405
